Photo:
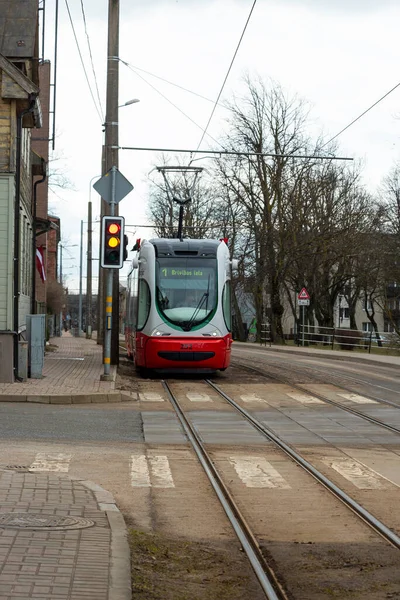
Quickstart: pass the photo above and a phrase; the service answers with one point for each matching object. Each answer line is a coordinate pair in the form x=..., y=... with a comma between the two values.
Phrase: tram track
x=314, y=371
x=320, y=396
x=265, y=574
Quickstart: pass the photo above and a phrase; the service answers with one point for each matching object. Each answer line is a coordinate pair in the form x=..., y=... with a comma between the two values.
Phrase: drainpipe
x=33, y=293
x=17, y=231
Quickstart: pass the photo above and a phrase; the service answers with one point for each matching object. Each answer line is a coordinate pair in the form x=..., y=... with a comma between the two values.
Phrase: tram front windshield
x=186, y=290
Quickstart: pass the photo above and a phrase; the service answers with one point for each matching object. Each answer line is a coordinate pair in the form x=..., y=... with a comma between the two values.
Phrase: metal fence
x=347, y=339
x=265, y=334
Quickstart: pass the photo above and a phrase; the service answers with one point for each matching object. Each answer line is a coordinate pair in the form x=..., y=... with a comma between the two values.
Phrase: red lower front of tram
x=185, y=353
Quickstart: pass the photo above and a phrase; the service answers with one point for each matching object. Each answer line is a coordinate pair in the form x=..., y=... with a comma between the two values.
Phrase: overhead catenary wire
x=91, y=60
x=362, y=114
x=227, y=74
x=168, y=100
x=181, y=87
x=82, y=62
x=235, y=153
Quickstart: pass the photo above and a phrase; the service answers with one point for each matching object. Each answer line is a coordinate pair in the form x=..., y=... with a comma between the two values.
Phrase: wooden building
x=20, y=112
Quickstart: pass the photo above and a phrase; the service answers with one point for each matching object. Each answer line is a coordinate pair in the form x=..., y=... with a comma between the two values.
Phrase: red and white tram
x=178, y=313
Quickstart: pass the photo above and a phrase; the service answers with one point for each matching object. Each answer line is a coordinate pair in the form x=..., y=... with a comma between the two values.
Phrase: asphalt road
x=70, y=423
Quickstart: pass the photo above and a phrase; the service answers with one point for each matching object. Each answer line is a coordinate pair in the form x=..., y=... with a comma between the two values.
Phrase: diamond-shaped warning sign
x=303, y=295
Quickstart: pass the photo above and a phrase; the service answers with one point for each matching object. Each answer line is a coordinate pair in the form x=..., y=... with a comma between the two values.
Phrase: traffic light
x=112, y=235
x=126, y=242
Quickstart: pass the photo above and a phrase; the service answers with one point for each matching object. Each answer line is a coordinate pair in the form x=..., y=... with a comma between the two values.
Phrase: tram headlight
x=158, y=333
x=215, y=333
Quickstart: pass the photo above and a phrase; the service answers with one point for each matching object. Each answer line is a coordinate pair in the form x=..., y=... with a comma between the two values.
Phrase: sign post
x=303, y=300
x=112, y=187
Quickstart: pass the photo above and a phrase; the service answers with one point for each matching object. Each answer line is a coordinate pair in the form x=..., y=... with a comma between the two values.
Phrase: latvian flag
x=40, y=263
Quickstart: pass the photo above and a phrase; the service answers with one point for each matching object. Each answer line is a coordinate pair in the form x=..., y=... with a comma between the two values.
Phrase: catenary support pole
x=80, y=282
x=89, y=275
x=109, y=294
x=110, y=159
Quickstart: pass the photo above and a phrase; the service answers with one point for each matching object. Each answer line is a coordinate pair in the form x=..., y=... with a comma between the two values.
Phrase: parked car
x=387, y=339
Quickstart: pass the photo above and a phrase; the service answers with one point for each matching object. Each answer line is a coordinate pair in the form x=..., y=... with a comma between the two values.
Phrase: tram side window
x=144, y=303
x=226, y=305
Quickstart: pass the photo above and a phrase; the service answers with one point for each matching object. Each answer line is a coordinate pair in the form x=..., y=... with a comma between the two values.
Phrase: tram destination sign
x=181, y=272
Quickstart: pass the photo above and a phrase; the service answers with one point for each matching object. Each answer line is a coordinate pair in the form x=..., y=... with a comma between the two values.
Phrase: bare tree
x=266, y=121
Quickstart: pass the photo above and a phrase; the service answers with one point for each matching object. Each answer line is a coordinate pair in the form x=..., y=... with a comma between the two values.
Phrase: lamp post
x=89, y=264
x=133, y=101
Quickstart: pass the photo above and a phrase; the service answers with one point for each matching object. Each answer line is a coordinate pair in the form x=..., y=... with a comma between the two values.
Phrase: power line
x=169, y=101
x=91, y=60
x=181, y=87
x=362, y=114
x=227, y=74
x=83, y=64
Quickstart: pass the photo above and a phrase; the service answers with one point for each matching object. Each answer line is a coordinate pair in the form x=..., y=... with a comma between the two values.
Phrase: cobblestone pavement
x=72, y=370
x=62, y=539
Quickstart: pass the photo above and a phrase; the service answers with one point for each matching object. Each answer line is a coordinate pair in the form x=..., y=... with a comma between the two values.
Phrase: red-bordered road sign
x=303, y=295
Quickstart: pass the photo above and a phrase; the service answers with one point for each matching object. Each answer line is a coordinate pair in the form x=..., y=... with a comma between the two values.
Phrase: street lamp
x=88, y=319
x=133, y=101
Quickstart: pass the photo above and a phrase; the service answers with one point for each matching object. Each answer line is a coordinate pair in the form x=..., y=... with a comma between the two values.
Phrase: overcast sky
x=340, y=56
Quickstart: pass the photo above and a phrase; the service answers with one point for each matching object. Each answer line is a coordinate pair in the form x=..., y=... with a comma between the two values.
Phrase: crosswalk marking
x=58, y=463
x=305, y=398
x=257, y=472
x=150, y=471
x=151, y=397
x=252, y=398
x=359, y=475
x=198, y=397
x=358, y=399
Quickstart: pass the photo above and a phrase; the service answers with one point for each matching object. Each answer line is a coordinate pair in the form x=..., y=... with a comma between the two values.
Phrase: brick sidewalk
x=71, y=374
x=60, y=539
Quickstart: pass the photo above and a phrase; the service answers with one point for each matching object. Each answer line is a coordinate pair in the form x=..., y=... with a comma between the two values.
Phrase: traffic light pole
x=109, y=295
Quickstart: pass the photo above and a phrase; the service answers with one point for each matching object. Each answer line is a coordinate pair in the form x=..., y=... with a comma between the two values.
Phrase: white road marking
x=198, y=397
x=150, y=471
x=305, y=399
x=161, y=472
x=252, y=398
x=357, y=398
x=357, y=473
x=58, y=463
x=151, y=397
x=257, y=472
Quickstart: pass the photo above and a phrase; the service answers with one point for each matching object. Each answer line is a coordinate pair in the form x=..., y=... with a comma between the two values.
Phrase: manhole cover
x=32, y=521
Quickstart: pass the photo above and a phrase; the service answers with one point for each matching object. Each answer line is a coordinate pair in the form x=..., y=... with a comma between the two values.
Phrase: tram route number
x=181, y=272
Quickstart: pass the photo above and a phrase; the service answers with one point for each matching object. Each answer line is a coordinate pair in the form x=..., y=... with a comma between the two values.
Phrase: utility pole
x=110, y=159
x=80, y=282
x=89, y=275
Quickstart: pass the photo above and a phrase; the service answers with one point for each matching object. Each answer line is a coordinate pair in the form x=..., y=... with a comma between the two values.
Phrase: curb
x=98, y=398
x=322, y=354
x=120, y=587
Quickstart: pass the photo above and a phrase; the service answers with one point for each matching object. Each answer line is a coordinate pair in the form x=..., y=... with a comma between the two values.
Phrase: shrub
x=348, y=339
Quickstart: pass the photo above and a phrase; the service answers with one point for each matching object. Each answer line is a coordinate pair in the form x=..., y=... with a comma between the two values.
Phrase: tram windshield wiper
x=187, y=326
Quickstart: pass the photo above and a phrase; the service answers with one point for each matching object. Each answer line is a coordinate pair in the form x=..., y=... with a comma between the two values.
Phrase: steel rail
x=272, y=590
x=361, y=512
x=333, y=375
x=355, y=412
